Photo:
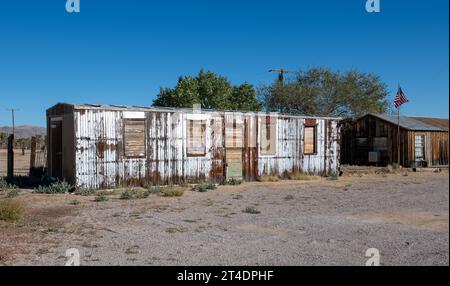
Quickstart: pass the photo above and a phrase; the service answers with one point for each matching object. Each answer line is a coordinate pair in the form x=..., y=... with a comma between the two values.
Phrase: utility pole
x=281, y=73
x=13, y=110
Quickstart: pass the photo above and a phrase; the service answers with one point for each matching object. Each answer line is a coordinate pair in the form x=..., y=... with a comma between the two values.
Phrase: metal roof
x=437, y=122
x=168, y=109
x=409, y=123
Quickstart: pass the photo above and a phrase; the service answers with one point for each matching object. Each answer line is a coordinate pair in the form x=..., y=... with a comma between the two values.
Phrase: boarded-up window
x=234, y=134
x=380, y=144
x=310, y=140
x=196, y=137
x=134, y=138
x=268, y=136
x=362, y=143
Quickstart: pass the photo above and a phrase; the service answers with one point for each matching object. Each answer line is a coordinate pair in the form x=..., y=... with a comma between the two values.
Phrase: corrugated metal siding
x=100, y=160
x=290, y=145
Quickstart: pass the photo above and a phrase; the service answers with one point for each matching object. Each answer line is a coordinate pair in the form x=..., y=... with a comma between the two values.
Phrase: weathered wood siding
x=370, y=127
x=104, y=159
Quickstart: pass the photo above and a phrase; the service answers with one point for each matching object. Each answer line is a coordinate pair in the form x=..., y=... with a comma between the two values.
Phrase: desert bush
x=131, y=194
x=211, y=187
x=232, y=182
x=60, y=187
x=152, y=189
x=333, y=176
x=289, y=198
x=201, y=188
x=251, y=210
x=268, y=178
x=11, y=210
x=75, y=203
x=85, y=192
x=101, y=197
x=13, y=193
x=172, y=192
x=5, y=186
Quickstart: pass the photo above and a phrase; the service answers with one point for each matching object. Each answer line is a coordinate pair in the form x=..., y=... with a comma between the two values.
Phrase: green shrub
x=101, y=197
x=5, y=186
x=13, y=193
x=211, y=187
x=85, y=192
x=172, y=192
x=251, y=210
x=11, y=210
x=131, y=194
x=127, y=194
x=152, y=189
x=60, y=187
x=333, y=177
x=75, y=203
x=201, y=188
x=232, y=182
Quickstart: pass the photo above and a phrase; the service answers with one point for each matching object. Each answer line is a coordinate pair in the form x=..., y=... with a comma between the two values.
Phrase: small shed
x=373, y=139
x=106, y=146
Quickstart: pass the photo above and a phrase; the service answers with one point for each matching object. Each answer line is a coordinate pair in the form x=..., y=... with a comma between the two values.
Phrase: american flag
x=400, y=99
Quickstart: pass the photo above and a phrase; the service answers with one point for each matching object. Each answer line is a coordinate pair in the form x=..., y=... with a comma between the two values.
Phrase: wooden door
x=56, y=149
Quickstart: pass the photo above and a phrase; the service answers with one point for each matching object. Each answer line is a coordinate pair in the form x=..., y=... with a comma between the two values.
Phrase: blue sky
x=123, y=51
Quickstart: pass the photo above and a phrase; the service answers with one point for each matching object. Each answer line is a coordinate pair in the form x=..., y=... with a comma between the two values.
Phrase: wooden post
x=10, y=171
x=33, y=152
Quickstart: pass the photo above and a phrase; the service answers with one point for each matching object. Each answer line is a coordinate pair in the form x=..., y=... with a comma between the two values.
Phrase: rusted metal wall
x=100, y=160
x=290, y=155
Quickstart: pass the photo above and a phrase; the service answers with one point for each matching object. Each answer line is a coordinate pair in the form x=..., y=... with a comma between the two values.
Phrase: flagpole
x=398, y=133
x=398, y=137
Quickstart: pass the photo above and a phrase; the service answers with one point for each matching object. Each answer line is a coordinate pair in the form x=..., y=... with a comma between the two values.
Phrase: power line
x=281, y=73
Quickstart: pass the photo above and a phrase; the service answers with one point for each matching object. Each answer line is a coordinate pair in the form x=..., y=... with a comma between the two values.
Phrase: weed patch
x=267, y=178
x=60, y=187
x=11, y=211
x=101, y=197
x=251, y=210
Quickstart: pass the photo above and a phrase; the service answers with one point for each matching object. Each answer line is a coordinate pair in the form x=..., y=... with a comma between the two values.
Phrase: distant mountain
x=24, y=131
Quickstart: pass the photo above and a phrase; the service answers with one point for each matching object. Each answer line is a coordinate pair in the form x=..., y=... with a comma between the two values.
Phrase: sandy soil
x=321, y=222
x=21, y=162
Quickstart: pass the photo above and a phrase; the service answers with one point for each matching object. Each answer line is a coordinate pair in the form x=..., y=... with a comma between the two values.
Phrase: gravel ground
x=318, y=222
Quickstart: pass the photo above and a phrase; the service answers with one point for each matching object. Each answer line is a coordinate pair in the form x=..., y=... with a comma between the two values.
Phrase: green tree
x=211, y=91
x=322, y=92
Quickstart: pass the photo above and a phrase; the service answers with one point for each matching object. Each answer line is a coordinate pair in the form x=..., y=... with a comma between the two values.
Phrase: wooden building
x=101, y=146
x=373, y=140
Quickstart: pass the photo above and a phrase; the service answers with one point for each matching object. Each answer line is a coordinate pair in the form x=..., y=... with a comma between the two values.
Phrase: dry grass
x=11, y=210
x=172, y=192
x=302, y=177
x=267, y=178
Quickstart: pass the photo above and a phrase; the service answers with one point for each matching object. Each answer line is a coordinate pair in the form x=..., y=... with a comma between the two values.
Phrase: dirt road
x=295, y=223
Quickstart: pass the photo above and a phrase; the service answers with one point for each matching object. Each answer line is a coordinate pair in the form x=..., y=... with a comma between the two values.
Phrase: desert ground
x=319, y=222
x=21, y=162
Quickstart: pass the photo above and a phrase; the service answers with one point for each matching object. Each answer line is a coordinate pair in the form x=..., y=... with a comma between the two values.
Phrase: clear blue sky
x=122, y=51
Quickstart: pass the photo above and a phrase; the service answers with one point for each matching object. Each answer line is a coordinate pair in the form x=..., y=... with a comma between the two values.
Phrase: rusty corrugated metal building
x=373, y=140
x=101, y=146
